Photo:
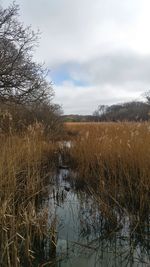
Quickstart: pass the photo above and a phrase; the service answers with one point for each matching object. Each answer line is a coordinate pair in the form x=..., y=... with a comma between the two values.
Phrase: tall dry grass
x=25, y=161
x=115, y=159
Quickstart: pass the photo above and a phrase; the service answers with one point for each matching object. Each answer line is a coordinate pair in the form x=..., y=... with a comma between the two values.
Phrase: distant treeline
x=78, y=118
x=129, y=111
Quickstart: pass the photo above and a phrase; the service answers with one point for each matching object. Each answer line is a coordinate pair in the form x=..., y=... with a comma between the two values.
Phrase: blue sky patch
x=63, y=73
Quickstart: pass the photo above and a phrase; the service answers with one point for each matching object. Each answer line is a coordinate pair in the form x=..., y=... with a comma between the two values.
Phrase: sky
x=97, y=51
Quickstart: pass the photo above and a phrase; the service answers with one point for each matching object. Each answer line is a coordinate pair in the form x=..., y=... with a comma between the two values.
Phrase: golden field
x=114, y=158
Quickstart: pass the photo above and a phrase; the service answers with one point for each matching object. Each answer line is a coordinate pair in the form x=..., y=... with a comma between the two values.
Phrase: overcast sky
x=98, y=51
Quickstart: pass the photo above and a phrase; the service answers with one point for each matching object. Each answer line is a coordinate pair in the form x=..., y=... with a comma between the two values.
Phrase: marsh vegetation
x=86, y=194
x=114, y=159
x=110, y=164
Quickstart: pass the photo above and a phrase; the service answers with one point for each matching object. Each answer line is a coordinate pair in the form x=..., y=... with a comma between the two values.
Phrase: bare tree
x=99, y=113
x=147, y=96
x=21, y=79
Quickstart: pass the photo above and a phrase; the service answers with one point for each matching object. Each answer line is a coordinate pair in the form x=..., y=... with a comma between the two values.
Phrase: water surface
x=85, y=238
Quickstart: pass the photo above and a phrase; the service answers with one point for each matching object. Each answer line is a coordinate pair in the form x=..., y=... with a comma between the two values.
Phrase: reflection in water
x=85, y=238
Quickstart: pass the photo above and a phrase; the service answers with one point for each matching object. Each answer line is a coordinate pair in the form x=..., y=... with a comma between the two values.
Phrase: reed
x=25, y=161
x=114, y=158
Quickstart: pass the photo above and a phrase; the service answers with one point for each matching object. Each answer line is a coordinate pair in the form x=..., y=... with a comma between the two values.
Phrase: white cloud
x=119, y=67
x=107, y=41
x=78, y=30
x=79, y=100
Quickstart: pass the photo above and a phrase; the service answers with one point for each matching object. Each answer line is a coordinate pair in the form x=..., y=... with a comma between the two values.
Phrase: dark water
x=85, y=238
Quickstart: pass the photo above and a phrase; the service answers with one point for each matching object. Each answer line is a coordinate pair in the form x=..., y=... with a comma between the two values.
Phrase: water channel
x=84, y=238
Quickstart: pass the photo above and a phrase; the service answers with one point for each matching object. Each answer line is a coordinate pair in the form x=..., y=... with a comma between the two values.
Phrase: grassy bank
x=26, y=162
x=114, y=158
